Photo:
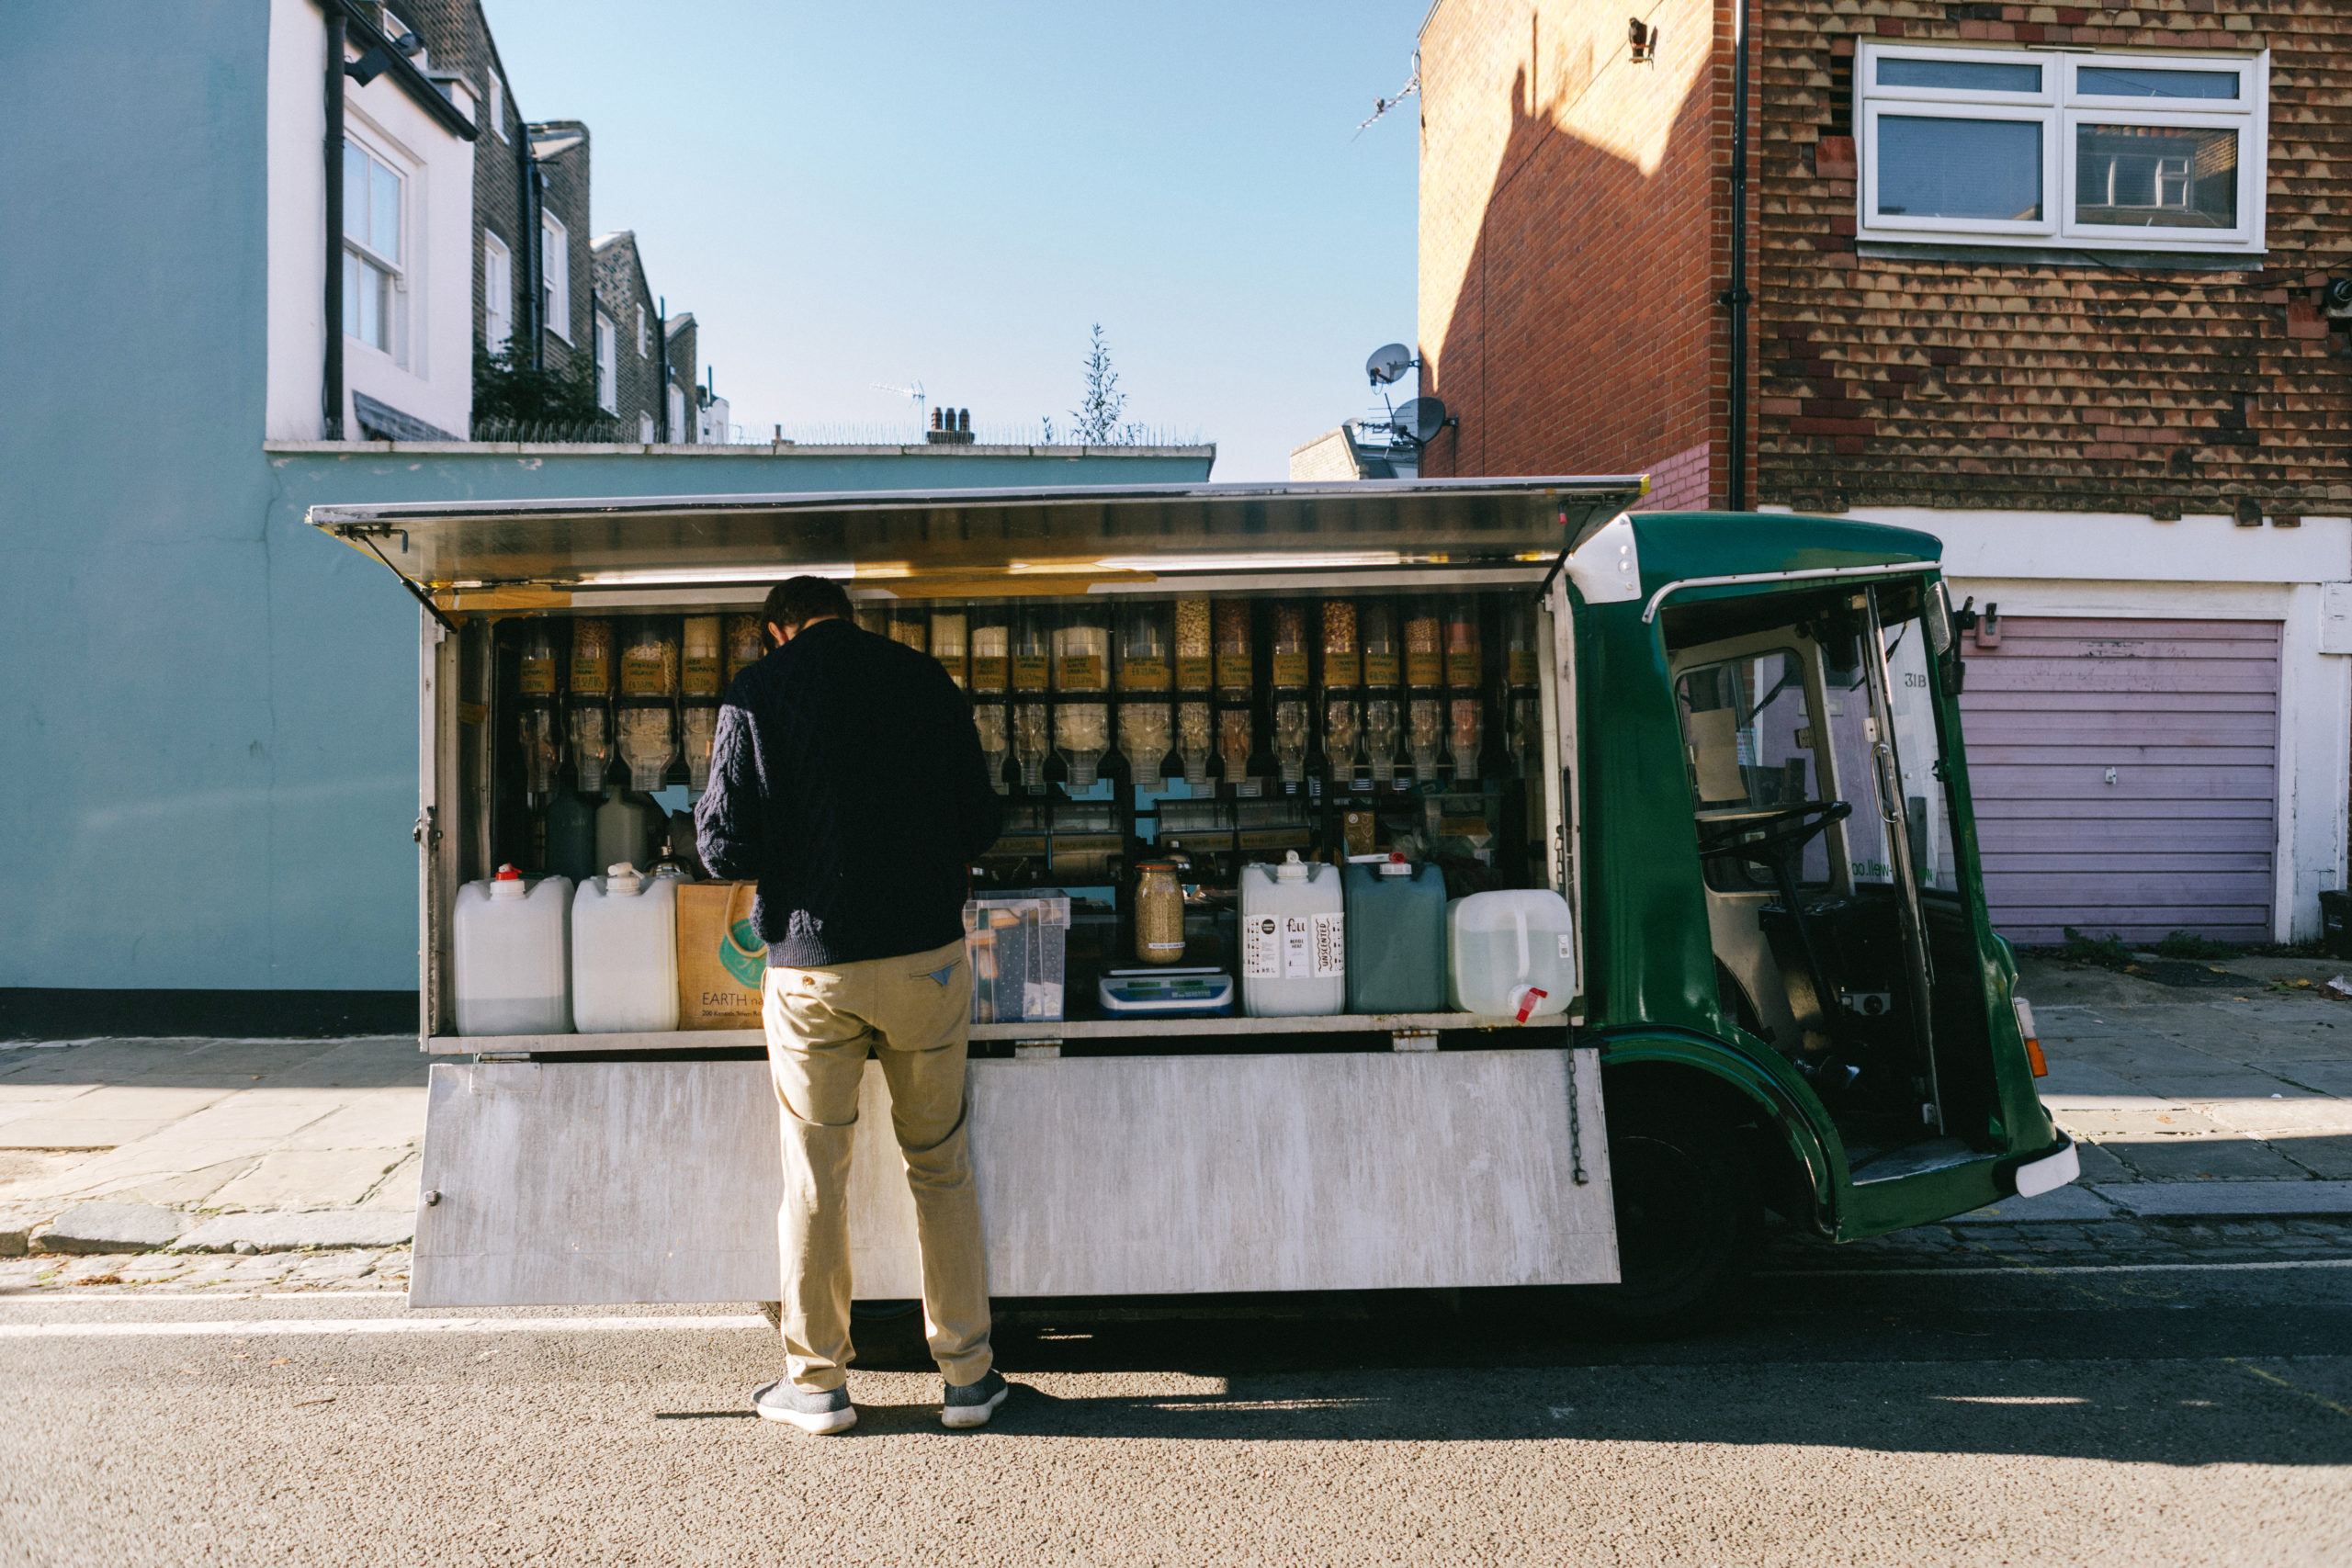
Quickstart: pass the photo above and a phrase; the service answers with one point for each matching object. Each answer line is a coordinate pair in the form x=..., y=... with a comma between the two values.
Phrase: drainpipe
x=662, y=327
x=1736, y=298
x=331, y=377
x=534, y=247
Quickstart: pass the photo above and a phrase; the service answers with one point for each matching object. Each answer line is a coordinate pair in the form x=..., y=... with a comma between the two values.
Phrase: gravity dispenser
x=541, y=714
x=649, y=741
x=1081, y=693
x=589, y=706
x=1195, y=675
x=991, y=659
x=1033, y=669
x=1145, y=672
x=1424, y=687
x=1384, y=668
x=1235, y=676
x=1342, y=675
x=701, y=670
x=1465, y=684
x=1289, y=674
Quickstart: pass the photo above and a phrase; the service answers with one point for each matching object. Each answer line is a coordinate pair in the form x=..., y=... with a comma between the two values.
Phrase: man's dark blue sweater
x=847, y=779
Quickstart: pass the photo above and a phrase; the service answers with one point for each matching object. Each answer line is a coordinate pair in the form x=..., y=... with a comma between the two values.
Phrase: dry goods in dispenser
x=1424, y=646
x=1196, y=645
x=588, y=706
x=992, y=651
x=1081, y=680
x=1236, y=671
x=1196, y=740
x=649, y=662
x=1425, y=735
x=1342, y=657
x=1384, y=662
x=1343, y=733
x=1382, y=729
x=949, y=643
x=912, y=627
x=1464, y=670
x=1521, y=665
x=1234, y=743
x=539, y=715
x=875, y=618
x=1033, y=742
x=1467, y=736
x=700, y=677
x=746, y=645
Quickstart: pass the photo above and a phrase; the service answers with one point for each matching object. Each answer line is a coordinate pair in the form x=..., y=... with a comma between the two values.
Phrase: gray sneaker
x=823, y=1413
x=972, y=1404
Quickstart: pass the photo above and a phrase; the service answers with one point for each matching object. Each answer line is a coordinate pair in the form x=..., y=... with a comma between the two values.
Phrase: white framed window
x=497, y=101
x=497, y=293
x=555, y=274
x=641, y=330
x=375, y=280
x=677, y=409
x=608, y=367
x=2088, y=150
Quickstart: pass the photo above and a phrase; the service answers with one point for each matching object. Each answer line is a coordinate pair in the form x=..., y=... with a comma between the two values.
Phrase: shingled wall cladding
x=2044, y=386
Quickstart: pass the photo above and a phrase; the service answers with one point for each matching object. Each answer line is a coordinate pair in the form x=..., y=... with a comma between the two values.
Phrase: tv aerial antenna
x=915, y=391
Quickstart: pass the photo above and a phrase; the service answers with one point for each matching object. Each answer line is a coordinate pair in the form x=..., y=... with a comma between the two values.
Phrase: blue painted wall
x=209, y=708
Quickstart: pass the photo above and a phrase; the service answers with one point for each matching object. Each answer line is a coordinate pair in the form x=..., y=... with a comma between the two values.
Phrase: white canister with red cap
x=510, y=937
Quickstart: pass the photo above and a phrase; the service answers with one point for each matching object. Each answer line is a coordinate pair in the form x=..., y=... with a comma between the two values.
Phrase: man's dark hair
x=796, y=601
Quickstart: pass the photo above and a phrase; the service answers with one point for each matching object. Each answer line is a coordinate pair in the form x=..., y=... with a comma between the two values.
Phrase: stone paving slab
x=111, y=1227
x=2231, y=1199
x=296, y=1232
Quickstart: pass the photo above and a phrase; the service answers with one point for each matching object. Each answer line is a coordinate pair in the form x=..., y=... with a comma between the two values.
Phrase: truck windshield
x=1749, y=741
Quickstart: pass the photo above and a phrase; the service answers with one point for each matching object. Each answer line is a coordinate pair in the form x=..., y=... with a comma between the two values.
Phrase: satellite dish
x=1388, y=364
x=1420, y=420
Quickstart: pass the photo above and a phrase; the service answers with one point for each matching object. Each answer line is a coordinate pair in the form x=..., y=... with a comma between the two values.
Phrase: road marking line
x=59, y=1294
x=2291, y=1388
x=254, y=1326
x=2049, y=1268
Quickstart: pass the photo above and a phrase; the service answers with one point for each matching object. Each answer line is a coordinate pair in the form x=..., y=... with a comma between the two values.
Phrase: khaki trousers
x=914, y=1014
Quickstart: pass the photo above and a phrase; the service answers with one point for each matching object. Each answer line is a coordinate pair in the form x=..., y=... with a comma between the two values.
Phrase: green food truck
x=1729, y=744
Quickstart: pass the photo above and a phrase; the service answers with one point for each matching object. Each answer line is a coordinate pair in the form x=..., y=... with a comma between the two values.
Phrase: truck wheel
x=1688, y=1218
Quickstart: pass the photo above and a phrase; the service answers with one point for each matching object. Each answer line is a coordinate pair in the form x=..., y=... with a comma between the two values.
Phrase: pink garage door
x=2126, y=775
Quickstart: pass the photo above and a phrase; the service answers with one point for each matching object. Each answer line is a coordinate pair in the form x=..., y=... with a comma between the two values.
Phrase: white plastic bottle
x=1294, y=940
x=511, y=940
x=625, y=952
x=1510, y=954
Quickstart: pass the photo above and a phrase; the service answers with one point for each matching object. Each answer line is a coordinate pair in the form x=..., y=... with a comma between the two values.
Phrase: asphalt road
x=2186, y=1413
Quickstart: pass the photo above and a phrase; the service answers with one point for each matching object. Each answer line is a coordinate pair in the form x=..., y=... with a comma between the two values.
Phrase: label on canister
x=1262, y=947
x=1314, y=947
x=1032, y=671
x=1234, y=668
x=1142, y=673
x=642, y=678
x=591, y=678
x=1521, y=667
x=699, y=676
x=1290, y=670
x=1383, y=669
x=1424, y=668
x=538, y=676
x=1081, y=672
x=988, y=671
x=1194, y=671
x=1343, y=669
x=1463, y=667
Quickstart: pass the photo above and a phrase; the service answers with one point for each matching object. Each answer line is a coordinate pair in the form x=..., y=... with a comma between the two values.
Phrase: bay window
x=2090, y=151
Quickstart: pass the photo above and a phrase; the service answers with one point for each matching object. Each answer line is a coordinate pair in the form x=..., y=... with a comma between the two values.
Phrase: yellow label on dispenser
x=642, y=678
x=1383, y=669
x=591, y=678
x=1142, y=673
x=1290, y=668
x=1343, y=669
x=1235, y=669
x=987, y=672
x=1031, y=671
x=1194, y=671
x=1081, y=672
x=1463, y=667
x=539, y=678
x=1521, y=666
x=1424, y=670
x=700, y=678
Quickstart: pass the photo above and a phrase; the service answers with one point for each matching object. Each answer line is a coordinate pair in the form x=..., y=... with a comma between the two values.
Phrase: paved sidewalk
x=193, y=1128
x=2223, y=1102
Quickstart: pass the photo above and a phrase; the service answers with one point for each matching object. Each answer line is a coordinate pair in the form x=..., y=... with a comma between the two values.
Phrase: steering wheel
x=1776, y=833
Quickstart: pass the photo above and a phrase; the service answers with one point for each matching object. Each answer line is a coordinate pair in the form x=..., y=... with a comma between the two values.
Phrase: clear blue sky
x=846, y=194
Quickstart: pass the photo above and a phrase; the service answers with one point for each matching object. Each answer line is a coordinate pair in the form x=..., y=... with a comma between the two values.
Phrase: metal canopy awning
x=928, y=543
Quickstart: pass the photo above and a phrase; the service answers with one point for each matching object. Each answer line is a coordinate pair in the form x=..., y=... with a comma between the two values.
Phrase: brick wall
x=2049, y=387
x=684, y=371
x=622, y=290
x=1574, y=235
x=565, y=196
x=458, y=37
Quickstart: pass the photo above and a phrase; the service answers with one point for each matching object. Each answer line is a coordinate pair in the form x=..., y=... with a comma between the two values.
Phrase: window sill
x=2061, y=255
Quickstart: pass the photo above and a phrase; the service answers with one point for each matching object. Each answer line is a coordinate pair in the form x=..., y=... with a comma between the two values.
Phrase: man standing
x=847, y=779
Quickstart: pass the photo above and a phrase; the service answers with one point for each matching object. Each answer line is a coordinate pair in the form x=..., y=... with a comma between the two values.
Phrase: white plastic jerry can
x=1510, y=954
x=625, y=952
x=1294, y=940
x=511, y=940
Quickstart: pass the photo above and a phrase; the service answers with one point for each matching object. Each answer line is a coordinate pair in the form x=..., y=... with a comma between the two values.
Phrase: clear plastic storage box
x=1017, y=944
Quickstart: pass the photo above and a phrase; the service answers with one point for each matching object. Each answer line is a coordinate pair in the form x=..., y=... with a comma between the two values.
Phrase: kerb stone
x=112, y=1227
x=282, y=1231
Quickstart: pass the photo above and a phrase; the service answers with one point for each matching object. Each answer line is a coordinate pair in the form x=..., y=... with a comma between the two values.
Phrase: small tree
x=1096, y=415
x=514, y=399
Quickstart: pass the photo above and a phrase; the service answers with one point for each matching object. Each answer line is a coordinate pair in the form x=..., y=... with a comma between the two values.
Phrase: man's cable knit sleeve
x=727, y=818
